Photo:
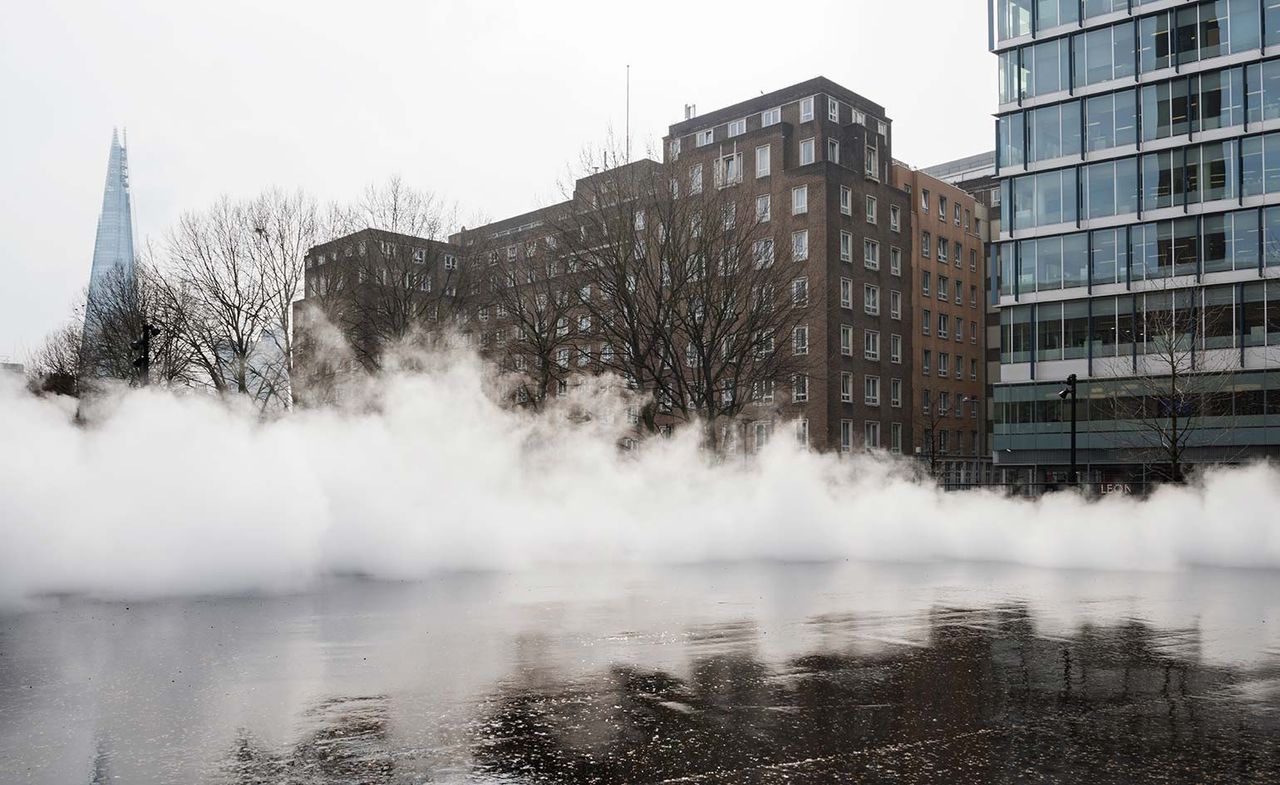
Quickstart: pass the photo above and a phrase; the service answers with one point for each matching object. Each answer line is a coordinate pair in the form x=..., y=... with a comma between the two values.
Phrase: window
x=846, y=340
x=800, y=245
x=846, y=435
x=942, y=325
x=926, y=279
x=895, y=393
x=973, y=374
x=704, y=137
x=800, y=388
x=942, y=208
x=944, y=249
x=895, y=437
x=871, y=434
x=973, y=332
x=924, y=200
x=871, y=209
x=761, y=429
x=800, y=340
x=695, y=179
x=973, y=296
x=833, y=110
x=762, y=161
x=871, y=254
x=763, y=249
x=800, y=200
x=926, y=245
x=895, y=304
x=944, y=364
x=802, y=432
x=450, y=262
x=871, y=390
x=943, y=291
x=800, y=291
x=562, y=358
x=973, y=261
x=927, y=321
x=956, y=209
x=806, y=151
x=846, y=293
x=871, y=299
x=771, y=116
x=846, y=200
x=846, y=246
x=846, y=387
x=728, y=170
x=870, y=344
x=833, y=151
x=895, y=348
x=806, y=109
x=872, y=164
x=895, y=261
x=926, y=362
x=737, y=127
x=895, y=218
x=762, y=208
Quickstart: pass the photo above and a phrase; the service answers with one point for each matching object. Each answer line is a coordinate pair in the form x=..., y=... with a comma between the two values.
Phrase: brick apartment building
x=816, y=158
x=948, y=298
x=821, y=154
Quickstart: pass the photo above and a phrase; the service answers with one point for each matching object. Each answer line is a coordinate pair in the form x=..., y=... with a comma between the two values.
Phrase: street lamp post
x=1070, y=390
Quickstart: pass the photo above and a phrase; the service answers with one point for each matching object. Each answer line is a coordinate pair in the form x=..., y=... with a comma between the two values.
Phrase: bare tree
x=56, y=367
x=1176, y=382
x=534, y=309
x=395, y=277
x=117, y=310
x=692, y=288
x=285, y=226
x=214, y=270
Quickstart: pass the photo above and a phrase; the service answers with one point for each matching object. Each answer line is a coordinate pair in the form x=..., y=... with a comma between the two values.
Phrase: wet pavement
x=714, y=674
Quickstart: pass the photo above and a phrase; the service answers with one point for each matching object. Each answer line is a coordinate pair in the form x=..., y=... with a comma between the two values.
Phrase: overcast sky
x=485, y=103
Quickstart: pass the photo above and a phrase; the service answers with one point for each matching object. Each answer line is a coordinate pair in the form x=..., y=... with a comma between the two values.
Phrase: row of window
x=1239, y=240
x=947, y=288
x=945, y=366
x=1248, y=394
x=388, y=249
x=870, y=343
x=1214, y=317
x=870, y=390
x=1176, y=37
x=870, y=298
x=773, y=116
x=1020, y=17
x=944, y=404
x=946, y=326
x=945, y=248
x=1209, y=172
x=870, y=436
x=942, y=208
x=1192, y=104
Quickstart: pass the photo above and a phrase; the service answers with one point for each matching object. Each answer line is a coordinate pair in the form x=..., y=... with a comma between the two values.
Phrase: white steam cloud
x=167, y=494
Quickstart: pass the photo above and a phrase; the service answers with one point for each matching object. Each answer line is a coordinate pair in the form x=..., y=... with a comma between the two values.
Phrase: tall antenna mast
x=628, y=113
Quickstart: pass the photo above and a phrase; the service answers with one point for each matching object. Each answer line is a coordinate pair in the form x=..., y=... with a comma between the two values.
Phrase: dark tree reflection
x=984, y=699
x=347, y=743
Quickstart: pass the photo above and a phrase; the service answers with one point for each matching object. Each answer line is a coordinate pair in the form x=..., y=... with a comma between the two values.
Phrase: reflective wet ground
x=801, y=673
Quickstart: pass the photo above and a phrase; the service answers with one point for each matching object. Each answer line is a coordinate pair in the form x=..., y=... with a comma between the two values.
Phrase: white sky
x=485, y=103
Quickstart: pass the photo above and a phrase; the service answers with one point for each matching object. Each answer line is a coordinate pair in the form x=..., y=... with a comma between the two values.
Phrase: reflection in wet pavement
x=731, y=674
x=984, y=700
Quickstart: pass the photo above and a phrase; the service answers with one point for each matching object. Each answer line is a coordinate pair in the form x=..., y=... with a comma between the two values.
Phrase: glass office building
x=1138, y=151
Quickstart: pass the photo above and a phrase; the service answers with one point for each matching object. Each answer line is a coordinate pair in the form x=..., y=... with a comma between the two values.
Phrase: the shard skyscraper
x=113, y=248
